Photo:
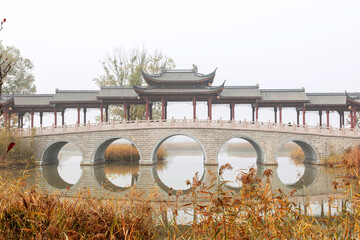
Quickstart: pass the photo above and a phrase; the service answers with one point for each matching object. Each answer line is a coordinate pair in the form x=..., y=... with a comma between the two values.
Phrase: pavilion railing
x=190, y=123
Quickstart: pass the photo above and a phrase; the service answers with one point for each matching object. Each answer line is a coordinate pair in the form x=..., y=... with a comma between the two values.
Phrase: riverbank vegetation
x=348, y=160
x=254, y=212
x=127, y=153
x=19, y=154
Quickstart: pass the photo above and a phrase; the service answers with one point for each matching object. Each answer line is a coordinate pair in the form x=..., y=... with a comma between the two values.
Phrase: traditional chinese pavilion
x=182, y=85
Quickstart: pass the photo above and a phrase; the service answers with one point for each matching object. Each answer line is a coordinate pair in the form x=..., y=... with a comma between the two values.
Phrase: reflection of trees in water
x=116, y=169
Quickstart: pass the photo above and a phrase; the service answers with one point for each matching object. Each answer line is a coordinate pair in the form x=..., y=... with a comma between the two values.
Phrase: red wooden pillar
x=340, y=119
x=275, y=112
x=6, y=118
x=166, y=110
x=327, y=118
x=55, y=117
x=232, y=111
x=280, y=114
x=162, y=108
x=194, y=108
x=210, y=108
x=22, y=121
x=41, y=118
x=78, y=114
x=128, y=112
x=101, y=112
x=320, y=118
x=32, y=119
x=107, y=113
x=253, y=113
x=304, y=112
x=19, y=120
x=124, y=109
x=63, y=117
x=85, y=110
x=147, y=108
x=354, y=117
x=297, y=116
x=257, y=111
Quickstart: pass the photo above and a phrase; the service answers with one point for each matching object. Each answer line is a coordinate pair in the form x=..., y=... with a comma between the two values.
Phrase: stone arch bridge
x=267, y=138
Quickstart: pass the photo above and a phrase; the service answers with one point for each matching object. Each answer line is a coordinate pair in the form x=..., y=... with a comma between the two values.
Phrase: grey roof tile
x=117, y=92
x=75, y=96
x=241, y=91
x=283, y=95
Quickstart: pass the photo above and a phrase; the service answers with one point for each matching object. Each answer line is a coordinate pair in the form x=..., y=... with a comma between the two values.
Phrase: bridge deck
x=189, y=123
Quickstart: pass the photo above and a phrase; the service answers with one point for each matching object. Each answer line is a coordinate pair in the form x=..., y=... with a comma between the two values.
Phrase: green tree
x=19, y=78
x=5, y=63
x=123, y=68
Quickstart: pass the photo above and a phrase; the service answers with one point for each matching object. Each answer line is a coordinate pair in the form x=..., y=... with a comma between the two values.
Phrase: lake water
x=313, y=183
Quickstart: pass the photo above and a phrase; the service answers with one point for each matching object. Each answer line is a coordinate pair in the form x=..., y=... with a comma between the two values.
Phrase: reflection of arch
x=309, y=176
x=156, y=147
x=166, y=188
x=101, y=178
x=259, y=152
x=50, y=155
x=99, y=152
x=309, y=151
x=51, y=175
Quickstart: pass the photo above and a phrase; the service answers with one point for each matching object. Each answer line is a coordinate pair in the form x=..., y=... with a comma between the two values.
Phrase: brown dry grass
x=128, y=153
x=255, y=212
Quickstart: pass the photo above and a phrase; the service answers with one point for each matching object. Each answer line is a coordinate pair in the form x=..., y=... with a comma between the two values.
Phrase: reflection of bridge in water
x=314, y=181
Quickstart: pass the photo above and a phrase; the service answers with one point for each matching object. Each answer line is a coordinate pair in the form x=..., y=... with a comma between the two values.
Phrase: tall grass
x=21, y=153
x=350, y=159
x=120, y=152
x=255, y=212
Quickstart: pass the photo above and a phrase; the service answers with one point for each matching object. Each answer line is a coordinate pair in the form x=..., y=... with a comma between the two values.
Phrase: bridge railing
x=190, y=123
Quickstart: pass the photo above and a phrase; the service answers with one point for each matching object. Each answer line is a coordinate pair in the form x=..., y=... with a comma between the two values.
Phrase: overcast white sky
x=277, y=44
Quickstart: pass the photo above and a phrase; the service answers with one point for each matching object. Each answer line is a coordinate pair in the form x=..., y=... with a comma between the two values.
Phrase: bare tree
x=5, y=63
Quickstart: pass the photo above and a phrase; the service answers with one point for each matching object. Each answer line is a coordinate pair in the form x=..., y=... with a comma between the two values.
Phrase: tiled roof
x=283, y=95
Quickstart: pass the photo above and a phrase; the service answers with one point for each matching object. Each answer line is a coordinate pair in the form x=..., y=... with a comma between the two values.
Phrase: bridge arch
x=310, y=153
x=258, y=149
x=51, y=152
x=99, y=152
x=163, y=139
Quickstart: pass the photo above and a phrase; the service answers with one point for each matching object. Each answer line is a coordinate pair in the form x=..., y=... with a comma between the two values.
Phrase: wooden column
x=253, y=113
x=101, y=112
x=124, y=110
x=162, y=108
x=232, y=111
x=297, y=116
x=32, y=119
x=55, y=117
x=166, y=110
x=280, y=114
x=320, y=118
x=22, y=120
x=275, y=113
x=210, y=108
x=257, y=112
x=41, y=118
x=147, y=108
x=128, y=112
x=85, y=110
x=63, y=117
x=78, y=114
x=107, y=113
x=19, y=121
x=304, y=112
x=327, y=118
x=354, y=117
x=194, y=107
x=150, y=109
